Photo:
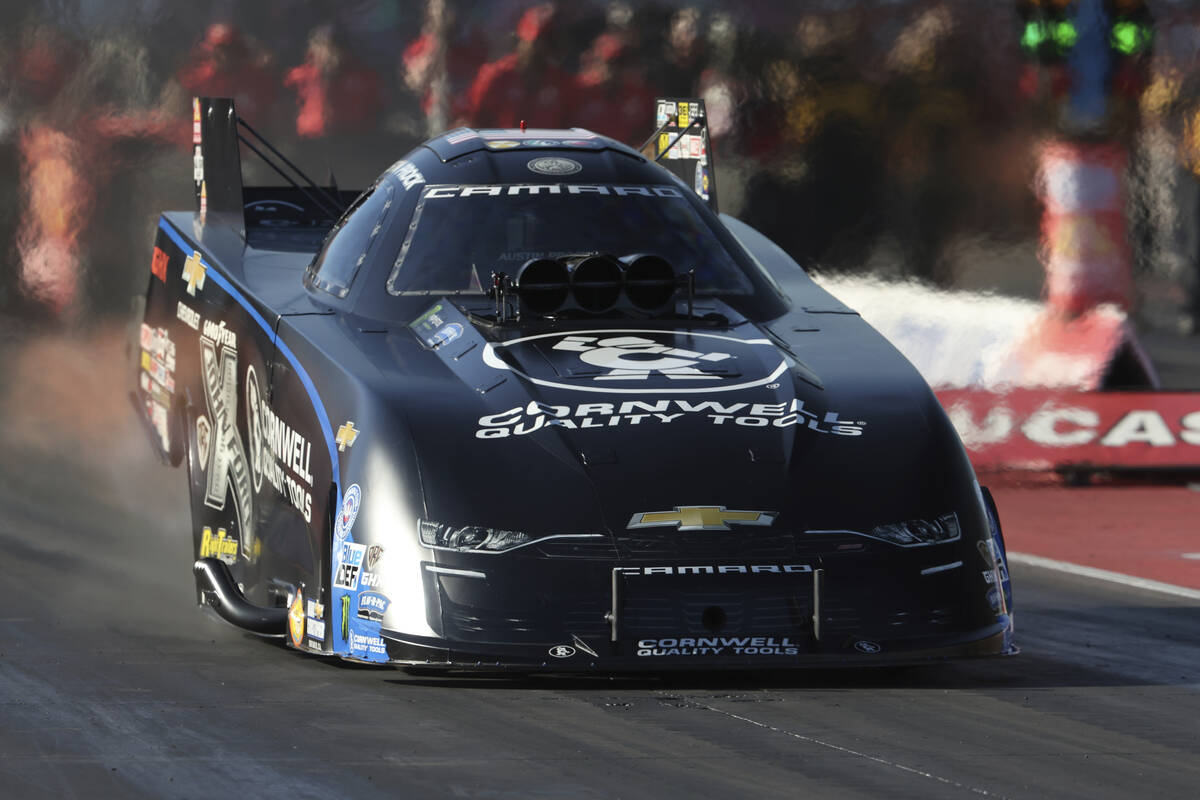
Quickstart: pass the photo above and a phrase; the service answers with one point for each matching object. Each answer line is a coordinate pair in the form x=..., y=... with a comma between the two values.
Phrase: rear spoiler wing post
x=216, y=160
x=680, y=143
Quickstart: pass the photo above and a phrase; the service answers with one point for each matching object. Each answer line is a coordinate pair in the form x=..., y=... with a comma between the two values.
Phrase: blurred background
x=898, y=139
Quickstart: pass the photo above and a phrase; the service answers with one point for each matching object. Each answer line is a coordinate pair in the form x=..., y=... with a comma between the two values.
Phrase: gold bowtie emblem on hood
x=700, y=518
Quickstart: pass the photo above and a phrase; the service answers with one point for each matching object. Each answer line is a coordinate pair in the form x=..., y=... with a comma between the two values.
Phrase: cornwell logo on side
x=718, y=645
x=278, y=452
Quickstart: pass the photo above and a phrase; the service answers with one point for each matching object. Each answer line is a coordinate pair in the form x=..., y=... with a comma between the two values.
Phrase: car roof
x=466, y=156
x=461, y=141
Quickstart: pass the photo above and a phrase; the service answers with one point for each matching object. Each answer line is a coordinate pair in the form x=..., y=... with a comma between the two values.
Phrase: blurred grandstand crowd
x=896, y=136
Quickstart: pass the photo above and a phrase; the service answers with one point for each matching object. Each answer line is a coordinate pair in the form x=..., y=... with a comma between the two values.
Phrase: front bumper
x=637, y=613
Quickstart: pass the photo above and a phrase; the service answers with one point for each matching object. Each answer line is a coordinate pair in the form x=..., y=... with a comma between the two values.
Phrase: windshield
x=459, y=235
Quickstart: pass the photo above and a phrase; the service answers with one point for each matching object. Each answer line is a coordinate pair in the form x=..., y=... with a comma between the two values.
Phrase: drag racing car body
x=528, y=402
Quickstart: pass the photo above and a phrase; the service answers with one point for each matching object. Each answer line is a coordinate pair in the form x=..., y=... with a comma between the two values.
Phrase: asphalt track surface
x=112, y=683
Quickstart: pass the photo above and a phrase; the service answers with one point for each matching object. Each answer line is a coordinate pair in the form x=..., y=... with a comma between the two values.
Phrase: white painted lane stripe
x=1103, y=575
x=848, y=751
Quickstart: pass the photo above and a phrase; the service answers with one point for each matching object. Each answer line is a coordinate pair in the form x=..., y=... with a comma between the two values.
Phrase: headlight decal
x=911, y=533
x=480, y=539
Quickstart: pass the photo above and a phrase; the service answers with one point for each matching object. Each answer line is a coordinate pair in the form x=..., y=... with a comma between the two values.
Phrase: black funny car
x=529, y=402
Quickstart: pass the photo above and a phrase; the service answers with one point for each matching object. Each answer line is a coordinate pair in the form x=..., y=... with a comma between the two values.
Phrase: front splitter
x=408, y=650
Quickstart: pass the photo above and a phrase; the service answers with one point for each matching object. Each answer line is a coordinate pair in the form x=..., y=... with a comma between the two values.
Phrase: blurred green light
x=1129, y=38
x=1034, y=35
x=1065, y=35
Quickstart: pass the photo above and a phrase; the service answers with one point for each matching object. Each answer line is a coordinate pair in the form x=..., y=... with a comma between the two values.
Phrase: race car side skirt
x=218, y=591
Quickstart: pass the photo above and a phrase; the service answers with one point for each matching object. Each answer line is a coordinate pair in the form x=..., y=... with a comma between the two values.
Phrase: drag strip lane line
x=848, y=751
x=1103, y=575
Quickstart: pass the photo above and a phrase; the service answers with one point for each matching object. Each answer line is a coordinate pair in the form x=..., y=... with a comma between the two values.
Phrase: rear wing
x=680, y=143
x=299, y=212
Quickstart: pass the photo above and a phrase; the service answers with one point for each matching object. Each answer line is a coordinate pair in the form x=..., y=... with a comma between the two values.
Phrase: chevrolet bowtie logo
x=346, y=436
x=193, y=273
x=700, y=518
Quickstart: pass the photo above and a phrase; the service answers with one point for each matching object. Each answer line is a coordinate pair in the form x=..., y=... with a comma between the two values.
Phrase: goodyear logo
x=700, y=518
x=221, y=546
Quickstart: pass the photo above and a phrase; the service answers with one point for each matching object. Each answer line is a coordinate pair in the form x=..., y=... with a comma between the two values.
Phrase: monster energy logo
x=345, y=617
x=226, y=454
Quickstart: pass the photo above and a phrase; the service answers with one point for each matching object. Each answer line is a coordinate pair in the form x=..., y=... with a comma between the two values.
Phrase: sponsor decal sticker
x=349, y=513
x=562, y=651
x=278, y=452
x=157, y=379
x=502, y=144
x=718, y=646
x=158, y=264
x=664, y=112
x=868, y=648
x=228, y=467
x=374, y=553
x=369, y=580
x=407, y=173
x=349, y=562
x=636, y=357
x=554, y=165
x=635, y=361
x=203, y=438
x=222, y=546
x=433, y=331
x=296, y=619
x=445, y=335
x=193, y=272
x=372, y=606
x=346, y=436
x=535, y=416
x=370, y=645
x=188, y=315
